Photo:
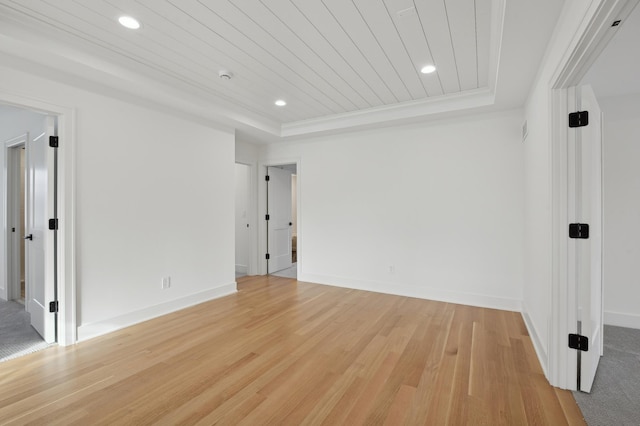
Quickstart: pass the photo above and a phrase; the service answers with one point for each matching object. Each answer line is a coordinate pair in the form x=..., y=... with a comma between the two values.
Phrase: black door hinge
x=579, y=230
x=53, y=141
x=579, y=342
x=266, y=217
x=266, y=256
x=266, y=178
x=53, y=306
x=579, y=119
x=53, y=224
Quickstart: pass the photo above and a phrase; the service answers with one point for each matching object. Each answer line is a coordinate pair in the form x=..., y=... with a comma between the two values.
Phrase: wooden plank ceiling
x=324, y=57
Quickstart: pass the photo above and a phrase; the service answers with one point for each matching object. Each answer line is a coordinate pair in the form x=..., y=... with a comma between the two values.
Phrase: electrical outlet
x=166, y=282
x=392, y=269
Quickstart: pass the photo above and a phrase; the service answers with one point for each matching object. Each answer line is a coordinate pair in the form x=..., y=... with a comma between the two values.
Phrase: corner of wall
x=541, y=351
x=89, y=331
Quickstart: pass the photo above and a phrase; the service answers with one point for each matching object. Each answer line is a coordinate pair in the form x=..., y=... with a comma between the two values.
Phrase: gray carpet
x=287, y=273
x=17, y=337
x=615, y=395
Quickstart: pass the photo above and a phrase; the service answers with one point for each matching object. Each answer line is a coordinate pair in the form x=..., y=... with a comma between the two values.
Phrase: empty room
x=318, y=212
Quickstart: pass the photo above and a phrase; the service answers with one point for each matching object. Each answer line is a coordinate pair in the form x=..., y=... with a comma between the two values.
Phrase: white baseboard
x=89, y=331
x=537, y=343
x=242, y=269
x=622, y=320
x=430, y=293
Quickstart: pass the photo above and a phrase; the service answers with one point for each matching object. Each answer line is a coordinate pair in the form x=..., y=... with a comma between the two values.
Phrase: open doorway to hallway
x=23, y=324
x=282, y=230
x=243, y=219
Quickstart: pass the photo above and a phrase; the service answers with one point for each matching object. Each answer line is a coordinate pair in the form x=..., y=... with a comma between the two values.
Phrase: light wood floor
x=282, y=352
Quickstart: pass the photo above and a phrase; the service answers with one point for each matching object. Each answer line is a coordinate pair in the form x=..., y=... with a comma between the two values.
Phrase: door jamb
x=12, y=214
x=252, y=268
x=66, y=318
x=595, y=35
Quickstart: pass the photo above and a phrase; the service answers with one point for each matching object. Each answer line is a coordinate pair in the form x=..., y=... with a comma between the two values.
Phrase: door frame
x=66, y=119
x=594, y=34
x=262, y=195
x=252, y=267
x=13, y=251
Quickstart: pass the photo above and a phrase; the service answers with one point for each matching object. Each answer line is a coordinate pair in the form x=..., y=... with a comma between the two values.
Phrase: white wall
x=621, y=175
x=432, y=210
x=14, y=122
x=242, y=208
x=153, y=200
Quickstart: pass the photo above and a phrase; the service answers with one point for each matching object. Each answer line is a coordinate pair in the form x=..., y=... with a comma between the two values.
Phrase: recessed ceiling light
x=280, y=102
x=428, y=69
x=129, y=22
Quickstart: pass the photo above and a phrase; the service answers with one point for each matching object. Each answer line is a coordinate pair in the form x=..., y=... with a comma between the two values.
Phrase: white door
x=243, y=179
x=40, y=242
x=279, y=225
x=586, y=254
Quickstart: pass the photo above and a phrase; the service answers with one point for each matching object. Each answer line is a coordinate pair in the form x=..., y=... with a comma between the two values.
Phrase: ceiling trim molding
x=390, y=113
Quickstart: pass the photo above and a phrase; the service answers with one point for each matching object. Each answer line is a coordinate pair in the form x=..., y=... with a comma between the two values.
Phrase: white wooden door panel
x=39, y=246
x=279, y=210
x=587, y=186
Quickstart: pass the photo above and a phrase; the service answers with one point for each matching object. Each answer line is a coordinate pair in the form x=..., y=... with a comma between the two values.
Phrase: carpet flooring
x=287, y=273
x=615, y=395
x=17, y=337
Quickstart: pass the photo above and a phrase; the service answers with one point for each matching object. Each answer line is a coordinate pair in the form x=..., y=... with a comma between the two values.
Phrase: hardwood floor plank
x=286, y=352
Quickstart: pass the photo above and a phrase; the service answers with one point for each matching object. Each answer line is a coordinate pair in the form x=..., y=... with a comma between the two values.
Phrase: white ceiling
x=616, y=72
x=337, y=63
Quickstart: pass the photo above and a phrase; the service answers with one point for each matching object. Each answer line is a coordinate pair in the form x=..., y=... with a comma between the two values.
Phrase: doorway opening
x=243, y=219
x=28, y=294
x=601, y=24
x=614, y=83
x=282, y=217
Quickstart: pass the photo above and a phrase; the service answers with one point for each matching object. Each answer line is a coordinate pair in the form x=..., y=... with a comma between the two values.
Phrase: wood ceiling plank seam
x=254, y=92
x=462, y=22
x=383, y=29
x=365, y=40
x=79, y=35
x=404, y=45
x=258, y=83
x=319, y=104
x=393, y=65
x=240, y=68
x=248, y=99
x=379, y=101
x=435, y=28
x=382, y=80
x=342, y=107
x=426, y=40
x=415, y=68
x=484, y=14
x=271, y=70
x=409, y=28
x=475, y=31
x=338, y=96
x=364, y=103
x=182, y=76
x=453, y=48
